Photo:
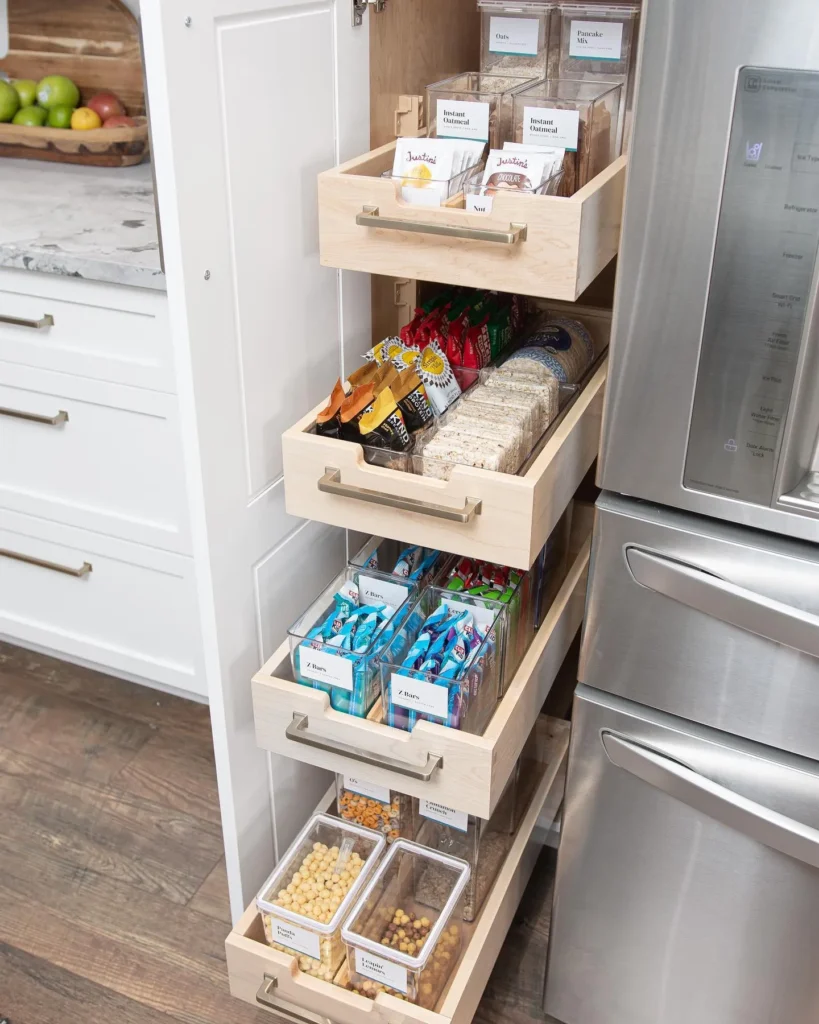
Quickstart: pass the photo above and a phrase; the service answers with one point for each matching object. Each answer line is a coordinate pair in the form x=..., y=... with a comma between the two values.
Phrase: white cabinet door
x=249, y=100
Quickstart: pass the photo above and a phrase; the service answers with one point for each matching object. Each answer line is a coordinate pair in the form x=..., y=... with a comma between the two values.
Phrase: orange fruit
x=84, y=119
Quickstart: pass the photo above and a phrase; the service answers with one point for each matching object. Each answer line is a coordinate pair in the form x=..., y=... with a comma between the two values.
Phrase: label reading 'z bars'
x=416, y=695
x=324, y=667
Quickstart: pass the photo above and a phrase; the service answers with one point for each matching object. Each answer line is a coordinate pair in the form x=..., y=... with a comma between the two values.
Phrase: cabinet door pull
x=297, y=732
x=66, y=570
x=331, y=483
x=33, y=417
x=285, y=1010
x=370, y=217
x=46, y=320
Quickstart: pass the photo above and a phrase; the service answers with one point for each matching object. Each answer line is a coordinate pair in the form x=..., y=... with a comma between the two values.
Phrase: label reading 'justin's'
x=416, y=695
x=551, y=127
x=463, y=119
x=596, y=40
x=295, y=938
x=445, y=815
x=388, y=973
x=376, y=591
x=518, y=36
x=364, y=788
x=324, y=667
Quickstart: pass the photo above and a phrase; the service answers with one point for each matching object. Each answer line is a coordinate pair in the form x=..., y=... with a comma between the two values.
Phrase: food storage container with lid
x=482, y=844
x=395, y=942
x=323, y=657
x=445, y=663
x=474, y=105
x=405, y=562
x=579, y=116
x=515, y=36
x=305, y=900
x=377, y=807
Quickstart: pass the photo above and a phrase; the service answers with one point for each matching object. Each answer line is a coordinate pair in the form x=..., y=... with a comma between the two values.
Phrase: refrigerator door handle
x=704, y=592
x=752, y=819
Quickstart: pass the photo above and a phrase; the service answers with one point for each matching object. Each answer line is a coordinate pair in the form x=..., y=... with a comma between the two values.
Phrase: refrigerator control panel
x=763, y=269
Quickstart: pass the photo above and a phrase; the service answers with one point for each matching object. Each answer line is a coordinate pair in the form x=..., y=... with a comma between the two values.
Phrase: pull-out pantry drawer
x=261, y=975
x=498, y=517
x=122, y=606
x=547, y=246
x=99, y=456
x=432, y=761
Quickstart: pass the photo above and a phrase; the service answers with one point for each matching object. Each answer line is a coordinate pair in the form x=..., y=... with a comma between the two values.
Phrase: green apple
x=60, y=117
x=26, y=90
x=57, y=91
x=32, y=117
x=9, y=101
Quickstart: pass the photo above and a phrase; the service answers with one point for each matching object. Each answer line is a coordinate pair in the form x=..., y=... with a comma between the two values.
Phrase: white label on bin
x=325, y=667
x=459, y=119
x=547, y=125
x=596, y=40
x=518, y=36
x=416, y=695
x=375, y=591
x=364, y=788
x=388, y=973
x=482, y=616
x=479, y=204
x=446, y=815
x=299, y=939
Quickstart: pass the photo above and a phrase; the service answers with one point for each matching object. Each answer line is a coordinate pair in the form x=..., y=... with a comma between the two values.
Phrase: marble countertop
x=96, y=223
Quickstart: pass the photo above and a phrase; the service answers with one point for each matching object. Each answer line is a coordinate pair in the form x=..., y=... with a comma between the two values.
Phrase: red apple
x=120, y=121
x=107, y=105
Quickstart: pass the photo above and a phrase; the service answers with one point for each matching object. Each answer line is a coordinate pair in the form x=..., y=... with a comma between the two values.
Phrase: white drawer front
x=101, y=331
x=114, y=466
x=134, y=612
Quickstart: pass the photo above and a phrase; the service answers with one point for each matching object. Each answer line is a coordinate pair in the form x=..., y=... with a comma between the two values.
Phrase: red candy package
x=409, y=331
x=477, y=350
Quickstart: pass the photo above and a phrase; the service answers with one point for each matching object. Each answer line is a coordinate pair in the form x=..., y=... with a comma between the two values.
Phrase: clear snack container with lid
x=395, y=942
x=305, y=899
x=474, y=105
x=515, y=36
x=376, y=807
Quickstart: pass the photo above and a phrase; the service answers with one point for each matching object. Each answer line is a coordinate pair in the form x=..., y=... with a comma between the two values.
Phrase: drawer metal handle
x=297, y=731
x=51, y=421
x=370, y=217
x=331, y=483
x=285, y=1010
x=46, y=320
x=66, y=570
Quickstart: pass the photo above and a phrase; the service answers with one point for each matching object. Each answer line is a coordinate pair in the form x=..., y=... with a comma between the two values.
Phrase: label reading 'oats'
x=517, y=36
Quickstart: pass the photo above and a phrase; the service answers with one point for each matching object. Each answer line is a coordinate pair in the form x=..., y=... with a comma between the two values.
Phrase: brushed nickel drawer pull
x=370, y=217
x=46, y=320
x=66, y=570
x=285, y=1010
x=51, y=421
x=331, y=483
x=297, y=731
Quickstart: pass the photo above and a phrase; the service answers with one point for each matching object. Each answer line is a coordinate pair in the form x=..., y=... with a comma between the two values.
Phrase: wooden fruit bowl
x=99, y=147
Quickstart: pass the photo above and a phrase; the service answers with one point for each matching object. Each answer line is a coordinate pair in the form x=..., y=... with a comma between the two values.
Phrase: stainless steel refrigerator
x=688, y=873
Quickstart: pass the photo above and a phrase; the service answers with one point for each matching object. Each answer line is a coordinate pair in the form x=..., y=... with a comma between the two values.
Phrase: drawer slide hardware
x=331, y=483
x=297, y=731
x=33, y=417
x=286, y=1011
x=66, y=570
x=360, y=6
x=370, y=217
x=46, y=320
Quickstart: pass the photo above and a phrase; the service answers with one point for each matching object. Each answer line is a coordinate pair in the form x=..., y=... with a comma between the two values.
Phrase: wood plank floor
x=113, y=898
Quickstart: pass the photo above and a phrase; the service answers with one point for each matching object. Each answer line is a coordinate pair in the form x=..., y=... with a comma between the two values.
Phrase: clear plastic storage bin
x=395, y=942
x=482, y=844
x=376, y=807
x=515, y=36
x=383, y=555
x=479, y=197
x=429, y=191
x=328, y=856
x=579, y=116
x=474, y=105
x=598, y=42
x=350, y=677
x=463, y=699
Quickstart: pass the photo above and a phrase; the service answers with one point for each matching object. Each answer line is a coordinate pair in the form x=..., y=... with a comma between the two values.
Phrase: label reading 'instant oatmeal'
x=517, y=36
x=298, y=939
x=416, y=695
x=375, y=591
x=324, y=667
x=596, y=40
x=463, y=119
x=388, y=973
x=445, y=815
x=551, y=127
x=364, y=788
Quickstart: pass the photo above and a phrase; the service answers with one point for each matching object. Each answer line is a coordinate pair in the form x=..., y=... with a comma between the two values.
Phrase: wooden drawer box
x=546, y=246
x=261, y=975
x=432, y=761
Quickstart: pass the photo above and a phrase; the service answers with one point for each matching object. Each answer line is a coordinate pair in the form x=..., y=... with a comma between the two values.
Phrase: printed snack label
x=324, y=667
x=445, y=815
x=388, y=973
x=416, y=695
x=462, y=119
x=516, y=36
x=377, y=591
x=596, y=40
x=298, y=939
x=550, y=126
x=368, y=789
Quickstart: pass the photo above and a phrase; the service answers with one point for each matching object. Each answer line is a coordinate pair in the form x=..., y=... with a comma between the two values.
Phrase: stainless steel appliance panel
x=710, y=621
x=685, y=172
x=687, y=886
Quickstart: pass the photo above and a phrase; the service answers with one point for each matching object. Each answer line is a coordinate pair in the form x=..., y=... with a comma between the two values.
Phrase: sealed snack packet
x=327, y=421
x=352, y=409
x=513, y=170
x=383, y=426
x=438, y=379
x=411, y=398
x=364, y=374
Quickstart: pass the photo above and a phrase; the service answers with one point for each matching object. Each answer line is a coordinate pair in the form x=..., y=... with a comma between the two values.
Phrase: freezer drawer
x=687, y=889
x=716, y=623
